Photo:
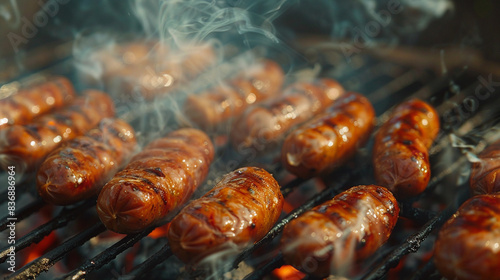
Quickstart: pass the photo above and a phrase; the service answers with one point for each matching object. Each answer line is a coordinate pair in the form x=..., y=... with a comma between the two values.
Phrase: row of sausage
x=329, y=126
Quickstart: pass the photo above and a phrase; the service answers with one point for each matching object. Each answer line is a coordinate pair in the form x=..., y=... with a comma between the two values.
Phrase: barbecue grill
x=446, y=77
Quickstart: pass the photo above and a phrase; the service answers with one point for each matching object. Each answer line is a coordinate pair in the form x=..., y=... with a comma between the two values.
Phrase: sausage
x=400, y=150
x=334, y=236
x=212, y=109
x=467, y=246
x=264, y=125
x=157, y=181
x=79, y=168
x=27, y=145
x=484, y=177
x=326, y=142
x=238, y=211
x=164, y=70
x=29, y=103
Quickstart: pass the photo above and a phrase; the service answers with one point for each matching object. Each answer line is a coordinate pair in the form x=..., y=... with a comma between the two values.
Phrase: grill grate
x=388, y=84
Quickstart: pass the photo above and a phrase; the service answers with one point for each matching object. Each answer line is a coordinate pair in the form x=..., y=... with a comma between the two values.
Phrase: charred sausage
x=400, y=151
x=324, y=143
x=80, y=167
x=468, y=245
x=485, y=177
x=157, y=181
x=264, y=125
x=31, y=102
x=334, y=236
x=26, y=146
x=212, y=109
x=238, y=211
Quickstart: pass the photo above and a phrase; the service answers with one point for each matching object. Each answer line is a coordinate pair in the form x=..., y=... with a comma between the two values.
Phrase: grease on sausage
x=339, y=233
x=238, y=211
x=322, y=144
x=400, y=152
x=157, y=181
x=31, y=102
x=485, y=177
x=264, y=125
x=468, y=244
x=79, y=168
x=212, y=109
x=27, y=145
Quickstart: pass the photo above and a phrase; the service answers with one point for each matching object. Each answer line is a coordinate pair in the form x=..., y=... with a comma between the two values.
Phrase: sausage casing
x=467, y=246
x=80, y=167
x=29, y=103
x=239, y=210
x=322, y=144
x=485, y=177
x=162, y=70
x=157, y=181
x=337, y=234
x=400, y=151
x=212, y=109
x=264, y=125
x=27, y=145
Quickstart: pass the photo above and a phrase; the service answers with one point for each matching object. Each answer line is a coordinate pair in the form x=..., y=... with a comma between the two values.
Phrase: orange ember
x=288, y=272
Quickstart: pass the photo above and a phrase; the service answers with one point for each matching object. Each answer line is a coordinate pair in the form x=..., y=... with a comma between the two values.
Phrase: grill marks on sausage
x=467, y=244
x=33, y=142
x=36, y=100
x=400, y=152
x=324, y=143
x=339, y=233
x=78, y=169
x=163, y=176
x=485, y=174
x=264, y=125
x=239, y=210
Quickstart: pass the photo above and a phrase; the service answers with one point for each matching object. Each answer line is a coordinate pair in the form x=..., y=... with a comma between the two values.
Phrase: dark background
x=472, y=24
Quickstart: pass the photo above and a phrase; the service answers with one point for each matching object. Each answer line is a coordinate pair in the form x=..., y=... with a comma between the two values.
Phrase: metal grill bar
x=24, y=212
x=46, y=261
x=107, y=255
x=66, y=215
x=411, y=245
x=142, y=269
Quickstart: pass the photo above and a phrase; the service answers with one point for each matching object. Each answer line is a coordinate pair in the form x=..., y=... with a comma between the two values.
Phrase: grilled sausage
x=29, y=103
x=212, y=109
x=339, y=233
x=162, y=71
x=264, y=125
x=26, y=146
x=79, y=168
x=238, y=211
x=400, y=151
x=484, y=177
x=467, y=246
x=157, y=181
x=324, y=143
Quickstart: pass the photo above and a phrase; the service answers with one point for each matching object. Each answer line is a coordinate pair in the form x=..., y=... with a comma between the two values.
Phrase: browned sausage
x=322, y=144
x=26, y=146
x=212, y=109
x=264, y=125
x=157, y=181
x=485, y=177
x=164, y=70
x=79, y=168
x=468, y=245
x=238, y=211
x=400, y=151
x=334, y=236
x=29, y=103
